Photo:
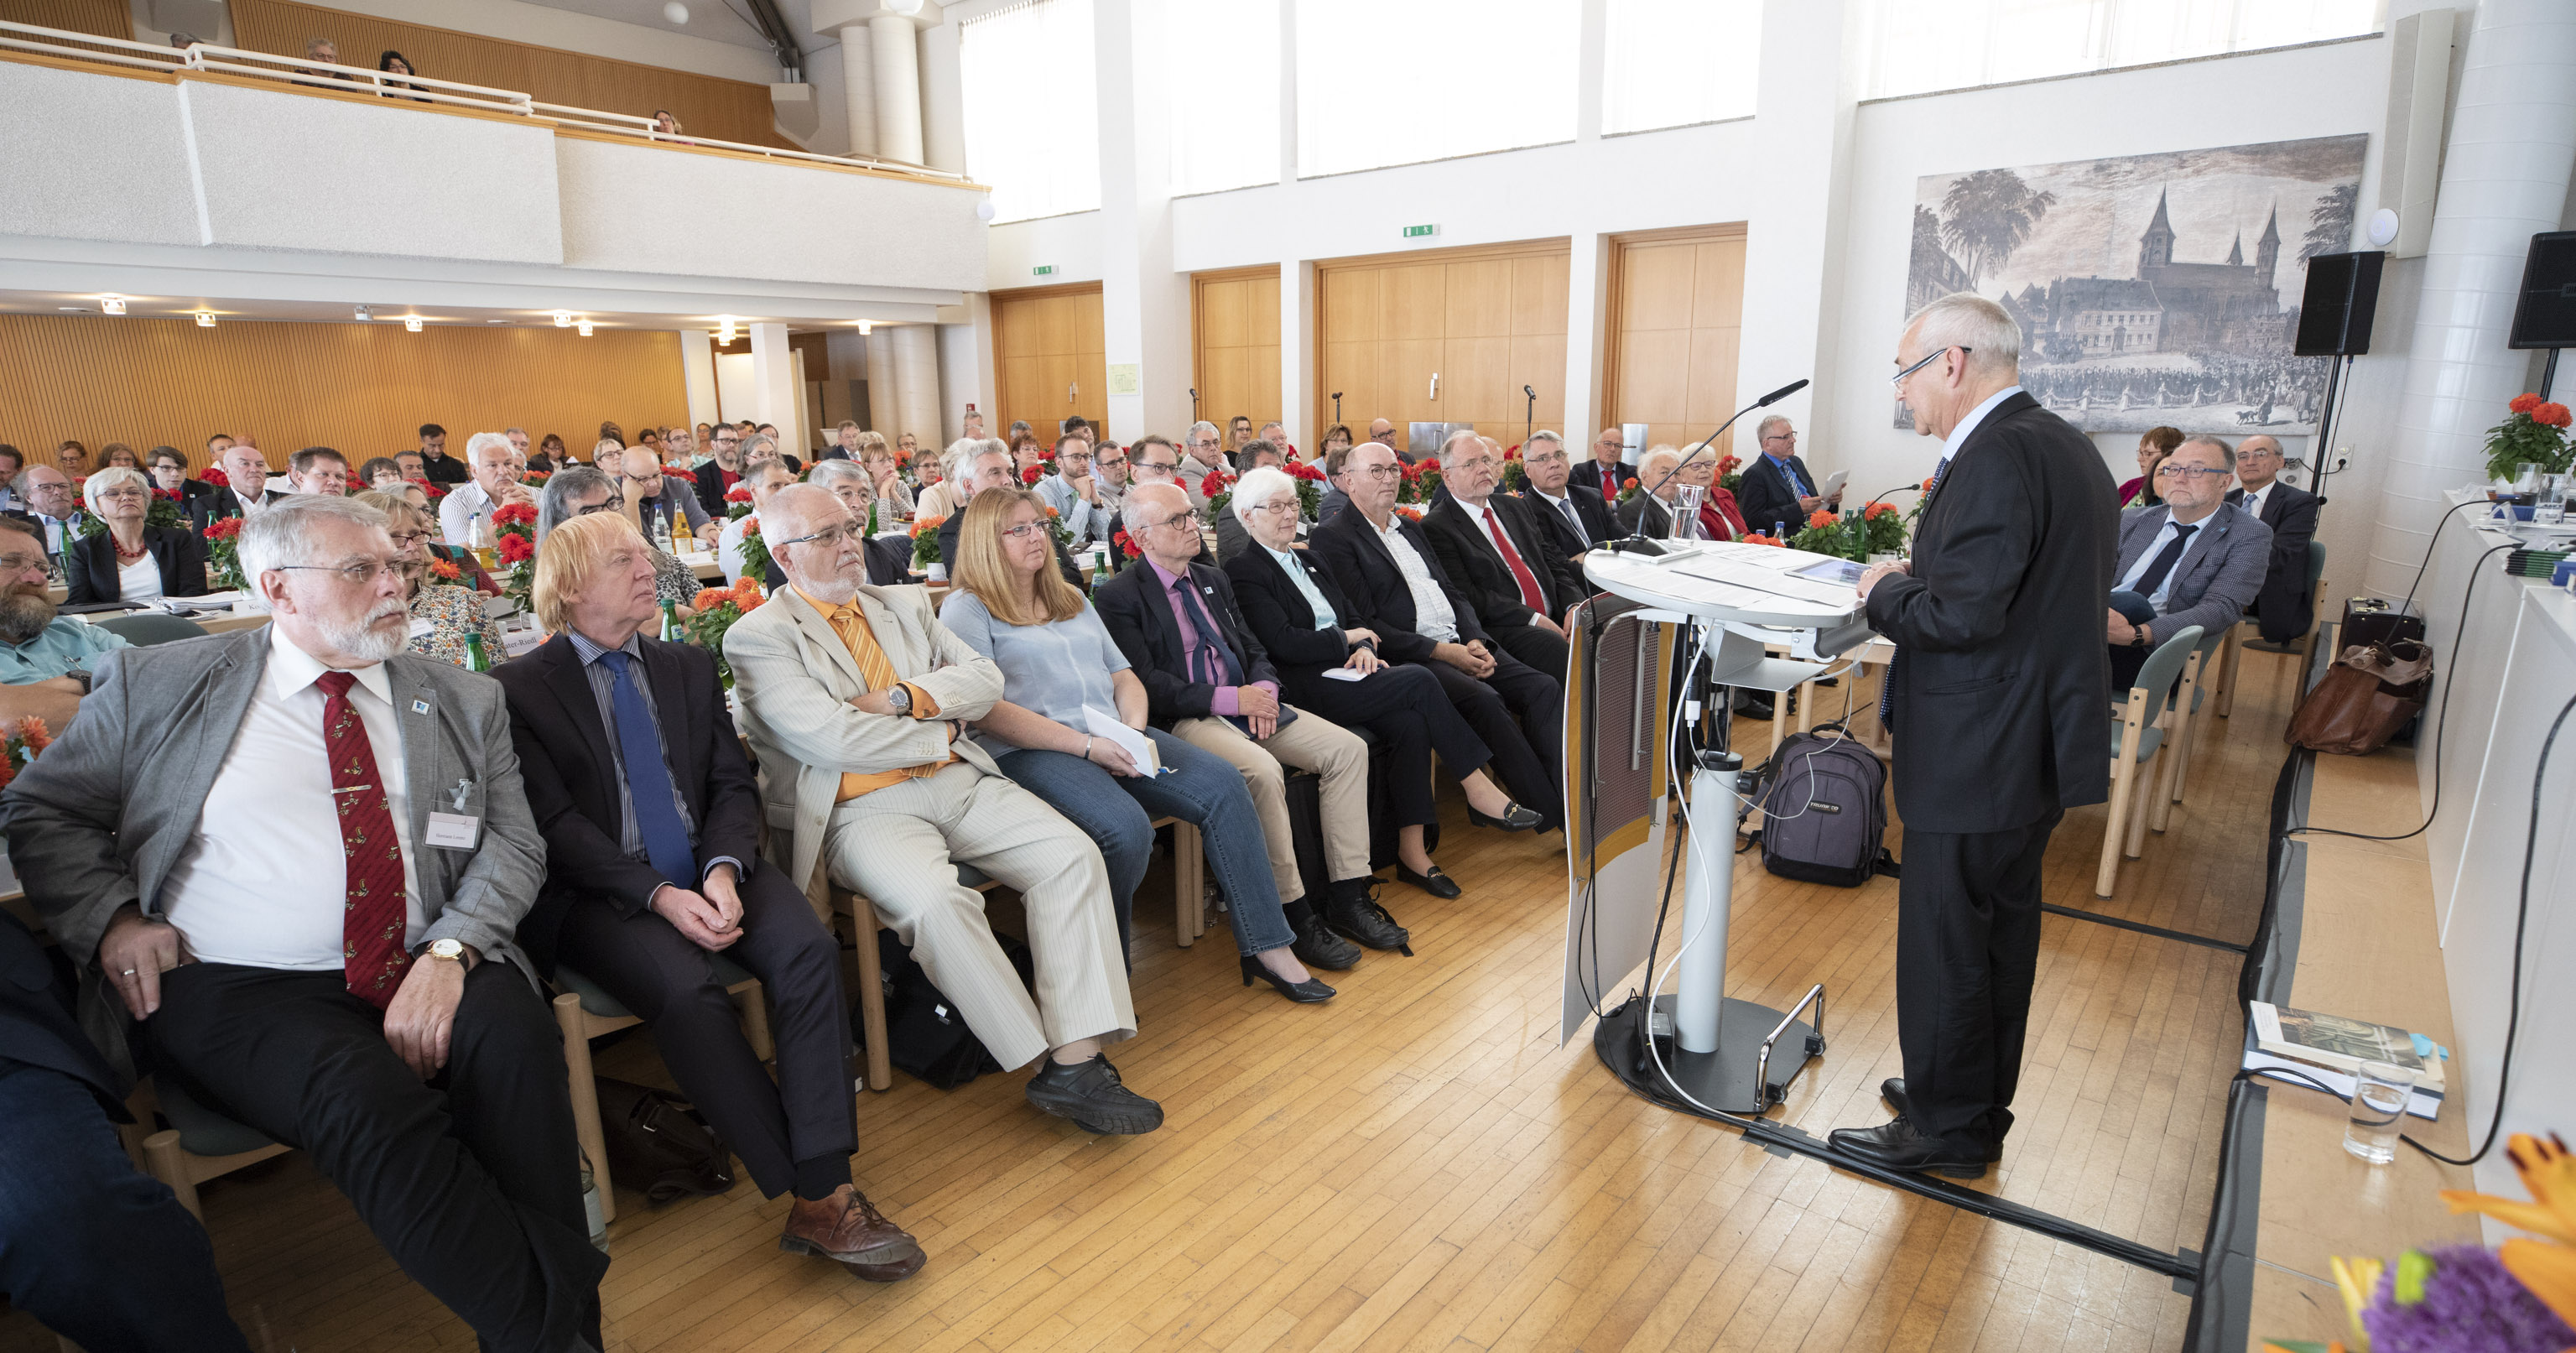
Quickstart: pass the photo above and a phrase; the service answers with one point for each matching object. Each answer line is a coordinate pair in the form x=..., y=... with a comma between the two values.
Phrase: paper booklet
x=1140, y=748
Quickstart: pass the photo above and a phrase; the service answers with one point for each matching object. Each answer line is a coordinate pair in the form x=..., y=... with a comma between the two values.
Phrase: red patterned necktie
x=1530, y=595
x=371, y=927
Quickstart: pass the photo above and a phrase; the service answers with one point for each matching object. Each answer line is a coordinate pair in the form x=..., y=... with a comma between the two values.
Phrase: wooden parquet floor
x=1418, y=1165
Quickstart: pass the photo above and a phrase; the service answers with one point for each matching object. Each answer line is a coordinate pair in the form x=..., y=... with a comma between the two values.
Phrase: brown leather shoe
x=847, y=1228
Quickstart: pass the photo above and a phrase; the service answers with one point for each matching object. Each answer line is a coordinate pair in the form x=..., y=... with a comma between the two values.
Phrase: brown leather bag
x=2372, y=691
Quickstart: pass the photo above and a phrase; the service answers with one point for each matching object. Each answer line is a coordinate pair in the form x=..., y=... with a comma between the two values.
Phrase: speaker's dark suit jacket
x=1138, y=614
x=2285, y=610
x=1765, y=494
x=573, y=785
x=1598, y=522
x=90, y=564
x=2001, y=705
x=1348, y=546
x=1478, y=568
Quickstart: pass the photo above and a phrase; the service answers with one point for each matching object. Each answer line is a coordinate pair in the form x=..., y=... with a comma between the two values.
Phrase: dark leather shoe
x=1435, y=883
x=1308, y=992
x=1091, y=1094
x=1318, y=947
x=1892, y=1090
x=1826, y=681
x=1514, y=819
x=1353, y=910
x=847, y=1229
x=1753, y=709
x=1897, y=1146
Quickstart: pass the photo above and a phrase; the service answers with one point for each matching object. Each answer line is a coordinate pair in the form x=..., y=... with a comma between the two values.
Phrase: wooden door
x=1676, y=317
x=1234, y=327
x=1448, y=337
x=1050, y=358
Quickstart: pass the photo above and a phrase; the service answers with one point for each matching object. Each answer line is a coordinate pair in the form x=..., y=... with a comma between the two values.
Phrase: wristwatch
x=2138, y=636
x=899, y=699
x=449, y=950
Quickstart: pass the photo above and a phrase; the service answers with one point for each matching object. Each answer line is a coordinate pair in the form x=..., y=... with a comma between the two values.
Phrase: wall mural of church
x=2151, y=289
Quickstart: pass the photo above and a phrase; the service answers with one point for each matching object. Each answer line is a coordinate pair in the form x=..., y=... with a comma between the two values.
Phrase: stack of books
x=2331, y=1048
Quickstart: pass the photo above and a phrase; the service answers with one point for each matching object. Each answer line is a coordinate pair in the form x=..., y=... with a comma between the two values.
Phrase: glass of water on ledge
x=2379, y=1096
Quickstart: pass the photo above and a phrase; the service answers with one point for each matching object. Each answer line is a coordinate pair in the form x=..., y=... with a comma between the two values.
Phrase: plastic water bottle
x=662, y=532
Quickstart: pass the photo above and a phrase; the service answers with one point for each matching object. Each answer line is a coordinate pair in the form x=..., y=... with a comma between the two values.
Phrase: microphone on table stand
x=1639, y=543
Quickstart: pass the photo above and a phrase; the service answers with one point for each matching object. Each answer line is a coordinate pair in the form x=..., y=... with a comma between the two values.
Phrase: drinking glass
x=2379, y=1096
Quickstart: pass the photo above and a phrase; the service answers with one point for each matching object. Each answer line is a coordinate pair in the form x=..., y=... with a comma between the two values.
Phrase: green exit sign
x=1042, y=270
x=1418, y=232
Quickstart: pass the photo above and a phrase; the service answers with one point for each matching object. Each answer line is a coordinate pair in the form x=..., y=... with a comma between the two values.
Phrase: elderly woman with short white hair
x=129, y=559
x=1300, y=617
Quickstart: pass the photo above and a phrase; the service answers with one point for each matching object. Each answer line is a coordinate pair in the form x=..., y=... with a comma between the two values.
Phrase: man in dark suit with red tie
x=1494, y=549
x=1998, y=699
x=1609, y=470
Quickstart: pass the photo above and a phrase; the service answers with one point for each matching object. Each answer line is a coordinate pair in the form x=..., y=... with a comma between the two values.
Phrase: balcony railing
x=289, y=72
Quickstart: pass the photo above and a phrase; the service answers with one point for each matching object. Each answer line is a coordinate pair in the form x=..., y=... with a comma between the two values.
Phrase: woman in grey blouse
x=1060, y=671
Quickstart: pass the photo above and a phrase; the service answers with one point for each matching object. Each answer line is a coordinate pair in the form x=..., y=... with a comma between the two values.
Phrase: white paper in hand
x=1833, y=483
x=1139, y=748
x=1343, y=674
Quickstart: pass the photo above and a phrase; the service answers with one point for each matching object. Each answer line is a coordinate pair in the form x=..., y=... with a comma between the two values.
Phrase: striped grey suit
x=899, y=846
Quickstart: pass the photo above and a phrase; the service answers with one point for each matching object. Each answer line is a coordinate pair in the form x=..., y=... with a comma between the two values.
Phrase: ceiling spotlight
x=583, y=328
x=112, y=305
x=563, y=319
x=205, y=319
x=866, y=327
x=411, y=323
x=364, y=314
x=725, y=332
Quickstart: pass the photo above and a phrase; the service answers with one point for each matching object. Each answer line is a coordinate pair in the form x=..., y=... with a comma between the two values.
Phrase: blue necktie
x=1796, y=485
x=648, y=781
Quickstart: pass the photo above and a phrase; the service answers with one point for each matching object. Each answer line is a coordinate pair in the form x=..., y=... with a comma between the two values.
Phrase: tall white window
x=1383, y=82
x=1916, y=48
x=1032, y=108
x=1672, y=63
x=1221, y=66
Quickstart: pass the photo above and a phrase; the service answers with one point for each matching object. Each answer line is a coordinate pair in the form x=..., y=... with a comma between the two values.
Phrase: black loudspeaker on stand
x=2545, y=314
x=2335, y=314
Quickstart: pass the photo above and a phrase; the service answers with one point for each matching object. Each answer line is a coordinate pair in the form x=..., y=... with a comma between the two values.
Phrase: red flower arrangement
x=2524, y=403
x=1820, y=519
x=215, y=477
x=1408, y=512
x=1757, y=538
x=714, y=611
x=1126, y=544
x=1031, y=476
x=514, y=543
x=24, y=743
x=514, y=514
x=2552, y=414
x=223, y=554
x=1305, y=470
x=2533, y=433
x=737, y=502
x=515, y=550
x=1877, y=510
x=755, y=552
x=925, y=541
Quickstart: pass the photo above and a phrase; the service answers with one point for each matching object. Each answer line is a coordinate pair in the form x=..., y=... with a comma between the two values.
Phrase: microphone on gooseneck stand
x=1638, y=543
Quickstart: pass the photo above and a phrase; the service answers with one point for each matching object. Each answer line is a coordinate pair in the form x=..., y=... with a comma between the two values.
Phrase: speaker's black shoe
x=1318, y=947
x=1308, y=992
x=1897, y=1146
x=1353, y=910
x=1514, y=819
x=1752, y=708
x=1435, y=883
x=1892, y=1090
x=1827, y=681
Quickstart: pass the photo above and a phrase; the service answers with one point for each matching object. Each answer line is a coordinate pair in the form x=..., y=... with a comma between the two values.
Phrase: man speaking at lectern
x=1997, y=704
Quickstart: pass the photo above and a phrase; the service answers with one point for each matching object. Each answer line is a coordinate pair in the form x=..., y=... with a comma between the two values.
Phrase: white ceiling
x=726, y=21
x=332, y=312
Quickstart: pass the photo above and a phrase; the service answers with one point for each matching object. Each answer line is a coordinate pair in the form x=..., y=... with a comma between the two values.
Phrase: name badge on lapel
x=456, y=830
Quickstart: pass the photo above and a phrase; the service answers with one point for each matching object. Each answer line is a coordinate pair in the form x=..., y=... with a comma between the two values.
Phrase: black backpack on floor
x=1824, y=810
x=926, y=1035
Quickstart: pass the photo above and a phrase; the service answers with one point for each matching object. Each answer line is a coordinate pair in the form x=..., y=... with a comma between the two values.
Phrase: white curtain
x=1032, y=108
x=1382, y=82
x=1221, y=68
x=1672, y=63
x=1916, y=48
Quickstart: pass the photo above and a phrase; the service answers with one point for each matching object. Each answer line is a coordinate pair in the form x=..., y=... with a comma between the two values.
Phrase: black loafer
x=1318, y=947
x=1091, y=1094
x=1354, y=911
x=1514, y=819
x=1897, y=1146
x=1892, y=1090
x=1435, y=883
x=1826, y=681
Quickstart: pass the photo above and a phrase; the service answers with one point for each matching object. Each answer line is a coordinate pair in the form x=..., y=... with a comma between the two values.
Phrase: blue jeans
x=1203, y=791
x=100, y=1253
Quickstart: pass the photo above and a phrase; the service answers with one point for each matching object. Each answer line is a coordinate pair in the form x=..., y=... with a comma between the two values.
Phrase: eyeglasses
x=127, y=492
x=1160, y=523
x=355, y=575
x=611, y=503
x=1158, y=466
x=1898, y=380
x=2170, y=471
x=21, y=563
x=407, y=539
x=832, y=537
x=1781, y=437
x=1278, y=507
x=1378, y=471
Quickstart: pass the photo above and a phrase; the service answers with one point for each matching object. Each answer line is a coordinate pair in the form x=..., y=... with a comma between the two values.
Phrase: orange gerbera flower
x=1820, y=519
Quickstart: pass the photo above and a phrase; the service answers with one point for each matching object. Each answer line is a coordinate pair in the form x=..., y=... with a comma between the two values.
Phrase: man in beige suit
x=853, y=696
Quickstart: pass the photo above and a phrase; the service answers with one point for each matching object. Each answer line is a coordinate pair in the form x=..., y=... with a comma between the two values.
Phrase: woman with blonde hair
x=1060, y=672
x=885, y=478
x=443, y=611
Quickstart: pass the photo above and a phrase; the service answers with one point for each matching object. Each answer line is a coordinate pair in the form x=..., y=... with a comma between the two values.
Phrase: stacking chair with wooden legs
x=2137, y=735
x=2184, y=716
x=2304, y=648
x=586, y=1011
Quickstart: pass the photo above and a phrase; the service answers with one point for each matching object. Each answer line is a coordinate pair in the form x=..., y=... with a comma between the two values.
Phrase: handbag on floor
x=659, y=1144
x=2371, y=692
x=926, y=1035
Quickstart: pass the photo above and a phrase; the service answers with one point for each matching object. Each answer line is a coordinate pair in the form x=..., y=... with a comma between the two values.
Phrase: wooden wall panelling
x=1676, y=306
x=1488, y=320
x=1047, y=340
x=720, y=109
x=1235, y=344
x=363, y=388
x=106, y=18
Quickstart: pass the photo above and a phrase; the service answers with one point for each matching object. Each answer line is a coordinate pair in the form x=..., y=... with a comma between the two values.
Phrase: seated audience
x=118, y=454
x=1383, y=433
x=244, y=493
x=411, y=466
x=318, y=469
x=299, y=938
x=46, y=658
x=764, y=474
x=2283, y=609
x=885, y=478
x=1391, y=575
x=974, y=423
x=844, y=444
x=1208, y=682
x=2158, y=443
x=989, y=468
x=1336, y=496
x=658, y=502
x=465, y=514
x=1074, y=492
x=51, y=506
x=1576, y=518
x=1338, y=435
x=72, y=458
x=168, y=466
x=323, y=52
x=701, y=449
x=1028, y=453
x=1230, y=536
x=1203, y=449
x=1109, y=482
x=1777, y=489
x=1608, y=471
x=890, y=550
x=78, y=1223
x=718, y=476
x=12, y=460
x=1238, y=434
x=551, y=456
x=907, y=449
x=383, y=473
x=436, y=465
x=1061, y=665
x=131, y=560
x=582, y=490
x=940, y=496
x=1275, y=433
x=2196, y=560
x=1493, y=549
x=444, y=605
x=650, y=437
x=1296, y=614
x=394, y=64
x=1661, y=484
x=651, y=821
x=882, y=791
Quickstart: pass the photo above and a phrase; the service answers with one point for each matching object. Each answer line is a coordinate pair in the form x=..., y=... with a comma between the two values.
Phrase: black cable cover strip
x=2141, y=927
